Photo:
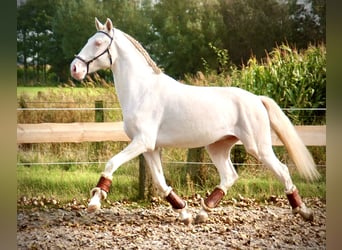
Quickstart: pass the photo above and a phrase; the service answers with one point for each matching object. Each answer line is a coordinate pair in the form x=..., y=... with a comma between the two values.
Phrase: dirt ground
x=235, y=224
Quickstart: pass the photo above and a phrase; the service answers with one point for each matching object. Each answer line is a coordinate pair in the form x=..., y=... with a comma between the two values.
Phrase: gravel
x=235, y=224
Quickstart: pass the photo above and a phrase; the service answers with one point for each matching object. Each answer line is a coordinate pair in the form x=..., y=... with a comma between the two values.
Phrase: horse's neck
x=132, y=75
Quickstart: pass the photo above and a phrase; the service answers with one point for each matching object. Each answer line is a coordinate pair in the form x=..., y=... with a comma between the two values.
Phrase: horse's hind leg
x=266, y=155
x=153, y=161
x=219, y=153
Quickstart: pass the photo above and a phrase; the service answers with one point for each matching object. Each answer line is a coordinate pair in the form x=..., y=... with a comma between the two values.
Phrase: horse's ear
x=98, y=25
x=109, y=25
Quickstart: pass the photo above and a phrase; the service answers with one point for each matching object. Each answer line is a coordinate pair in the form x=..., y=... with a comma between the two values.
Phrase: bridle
x=96, y=57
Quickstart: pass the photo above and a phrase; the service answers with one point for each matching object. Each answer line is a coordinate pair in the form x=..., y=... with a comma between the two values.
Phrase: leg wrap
x=104, y=184
x=298, y=205
x=214, y=198
x=175, y=200
x=294, y=199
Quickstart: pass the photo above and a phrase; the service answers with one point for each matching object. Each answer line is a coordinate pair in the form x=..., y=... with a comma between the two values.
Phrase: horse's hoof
x=201, y=217
x=306, y=214
x=187, y=221
x=185, y=217
x=93, y=208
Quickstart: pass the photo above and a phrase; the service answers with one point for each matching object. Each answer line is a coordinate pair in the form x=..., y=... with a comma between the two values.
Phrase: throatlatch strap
x=214, y=198
x=104, y=183
x=175, y=200
x=294, y=199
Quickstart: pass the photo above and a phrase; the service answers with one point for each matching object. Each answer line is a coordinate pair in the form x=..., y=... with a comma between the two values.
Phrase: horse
x=159, y=111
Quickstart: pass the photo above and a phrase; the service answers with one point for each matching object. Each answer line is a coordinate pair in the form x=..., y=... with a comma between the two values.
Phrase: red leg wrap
x=104, y=183
x=294, y=199
x=214, y=198
x=175, y=200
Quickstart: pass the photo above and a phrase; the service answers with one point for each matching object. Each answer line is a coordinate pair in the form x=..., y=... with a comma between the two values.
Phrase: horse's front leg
x=99, y=193
x=153, y=161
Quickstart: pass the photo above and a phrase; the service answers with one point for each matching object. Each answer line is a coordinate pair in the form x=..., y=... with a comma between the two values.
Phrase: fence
x=100, y=131
x=113, y=131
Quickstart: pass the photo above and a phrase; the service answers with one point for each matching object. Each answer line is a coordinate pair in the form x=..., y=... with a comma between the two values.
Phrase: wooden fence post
x=99, y=114
x=198, y=172
x=99, y=117
x=146, y=187
x=142, y=177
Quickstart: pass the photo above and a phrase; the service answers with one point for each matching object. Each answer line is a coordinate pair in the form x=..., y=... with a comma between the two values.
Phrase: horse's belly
x=190, y=137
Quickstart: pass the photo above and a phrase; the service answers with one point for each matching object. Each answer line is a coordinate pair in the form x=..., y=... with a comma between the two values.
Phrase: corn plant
x=293, y=79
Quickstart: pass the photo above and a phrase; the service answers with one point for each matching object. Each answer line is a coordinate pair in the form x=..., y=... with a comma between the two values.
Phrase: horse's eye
x=98, y=42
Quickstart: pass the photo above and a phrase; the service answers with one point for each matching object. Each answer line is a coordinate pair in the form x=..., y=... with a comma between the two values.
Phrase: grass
x=69, y=182
x=66, y=183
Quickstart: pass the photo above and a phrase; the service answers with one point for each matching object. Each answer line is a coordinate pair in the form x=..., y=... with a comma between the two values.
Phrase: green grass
x=66, y=183
x=262, y=183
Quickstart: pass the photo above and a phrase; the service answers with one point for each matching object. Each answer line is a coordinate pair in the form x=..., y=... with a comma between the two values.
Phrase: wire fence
x=93, y=108
x=164, y=162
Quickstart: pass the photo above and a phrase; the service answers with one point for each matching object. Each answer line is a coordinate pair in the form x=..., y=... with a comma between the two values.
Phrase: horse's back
x=197, y=116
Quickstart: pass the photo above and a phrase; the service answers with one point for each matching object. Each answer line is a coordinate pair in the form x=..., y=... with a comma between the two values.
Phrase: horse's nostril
x=74, y=68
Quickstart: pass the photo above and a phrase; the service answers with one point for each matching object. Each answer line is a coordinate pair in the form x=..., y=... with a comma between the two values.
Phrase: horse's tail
x=286, y=132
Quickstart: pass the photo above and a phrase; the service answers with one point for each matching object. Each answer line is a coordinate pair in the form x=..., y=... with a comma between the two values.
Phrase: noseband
x=96, y=57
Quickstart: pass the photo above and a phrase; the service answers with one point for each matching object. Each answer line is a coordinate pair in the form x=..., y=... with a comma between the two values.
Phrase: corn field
x=294, y=79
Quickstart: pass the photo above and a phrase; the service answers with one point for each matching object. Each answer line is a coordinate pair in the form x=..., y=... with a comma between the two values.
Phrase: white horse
x=160, y=112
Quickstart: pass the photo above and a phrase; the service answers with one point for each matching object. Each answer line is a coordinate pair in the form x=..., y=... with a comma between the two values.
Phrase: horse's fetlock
x=104, y=183
x=98, y=191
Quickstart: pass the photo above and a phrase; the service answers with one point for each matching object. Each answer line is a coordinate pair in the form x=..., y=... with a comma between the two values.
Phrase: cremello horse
x=160, y=112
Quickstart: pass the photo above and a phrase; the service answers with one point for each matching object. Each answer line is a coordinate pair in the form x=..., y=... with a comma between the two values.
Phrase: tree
x=252, y=26
x=73, y=23
x=179, y=35
x=307, y=22
x=34, y=36
x=183, y=31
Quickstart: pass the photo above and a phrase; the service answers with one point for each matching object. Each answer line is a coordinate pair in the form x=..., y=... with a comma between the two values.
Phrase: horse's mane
x=140, y=48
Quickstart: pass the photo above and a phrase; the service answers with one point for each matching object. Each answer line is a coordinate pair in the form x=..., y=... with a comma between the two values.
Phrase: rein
x=96, y=57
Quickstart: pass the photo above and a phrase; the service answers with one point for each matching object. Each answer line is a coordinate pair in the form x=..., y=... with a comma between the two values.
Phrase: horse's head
x=97, y=53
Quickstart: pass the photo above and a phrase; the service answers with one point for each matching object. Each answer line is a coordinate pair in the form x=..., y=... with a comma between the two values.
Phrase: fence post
x=142, y=177
x=198, y=173
x=99, y=117
x=99, y=114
